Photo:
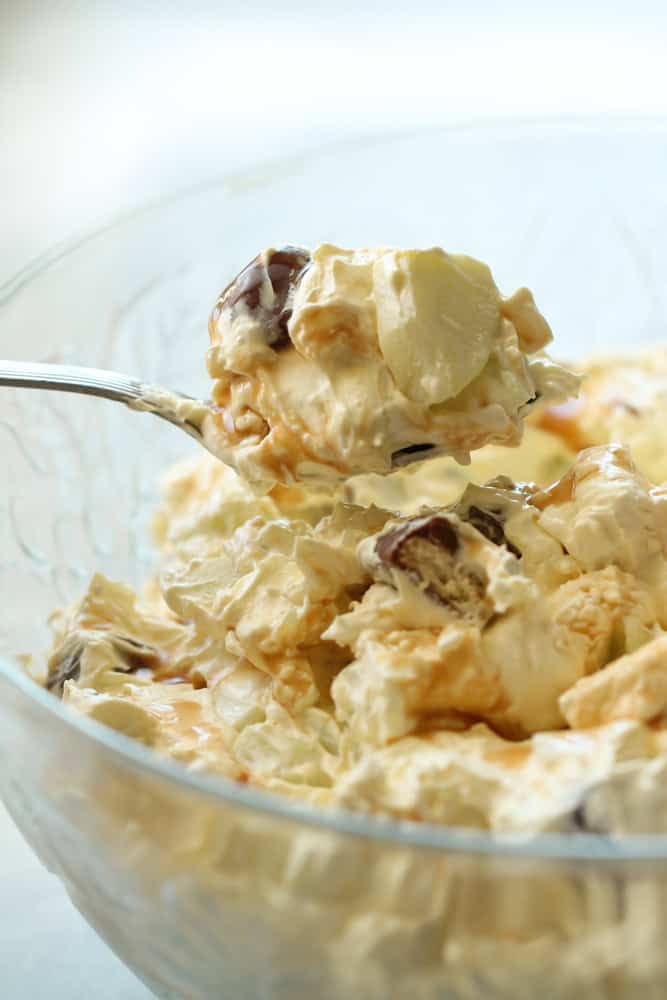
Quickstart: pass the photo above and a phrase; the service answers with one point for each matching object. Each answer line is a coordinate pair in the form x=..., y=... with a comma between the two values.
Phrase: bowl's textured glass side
x=208, y=899
x=199, y=897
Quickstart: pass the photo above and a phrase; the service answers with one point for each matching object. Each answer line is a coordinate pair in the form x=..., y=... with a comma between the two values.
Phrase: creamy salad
x=482, y=644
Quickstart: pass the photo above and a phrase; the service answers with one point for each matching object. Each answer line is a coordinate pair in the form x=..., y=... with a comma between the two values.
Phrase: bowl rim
x=570, y=847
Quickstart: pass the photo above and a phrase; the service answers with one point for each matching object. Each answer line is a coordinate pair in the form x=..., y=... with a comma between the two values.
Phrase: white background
x=103, y=105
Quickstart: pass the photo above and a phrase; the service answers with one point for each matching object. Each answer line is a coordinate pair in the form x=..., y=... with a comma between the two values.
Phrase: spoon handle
x=72, y=378
x=179, y=409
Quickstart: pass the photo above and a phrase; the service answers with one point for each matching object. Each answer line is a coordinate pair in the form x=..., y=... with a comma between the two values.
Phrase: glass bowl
x=205, y=888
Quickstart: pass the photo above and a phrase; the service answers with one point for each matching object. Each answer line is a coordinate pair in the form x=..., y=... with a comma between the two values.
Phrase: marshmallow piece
x=532, y=329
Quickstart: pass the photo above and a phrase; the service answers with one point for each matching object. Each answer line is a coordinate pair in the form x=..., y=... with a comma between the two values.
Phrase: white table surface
x=47, y=951
x=105, y=104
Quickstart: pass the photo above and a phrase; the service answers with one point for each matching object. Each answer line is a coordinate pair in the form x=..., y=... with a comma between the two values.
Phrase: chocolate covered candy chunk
x=265, y=288
x=434, y=555
x=125, y=654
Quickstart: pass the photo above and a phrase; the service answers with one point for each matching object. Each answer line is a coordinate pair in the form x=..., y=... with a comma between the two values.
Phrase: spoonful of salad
x=335, y=362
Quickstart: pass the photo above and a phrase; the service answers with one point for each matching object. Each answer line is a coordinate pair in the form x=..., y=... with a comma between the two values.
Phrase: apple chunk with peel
x=437, y=317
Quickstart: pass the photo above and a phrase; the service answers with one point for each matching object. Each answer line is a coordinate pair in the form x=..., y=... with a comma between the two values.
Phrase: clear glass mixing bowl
x=206, y=889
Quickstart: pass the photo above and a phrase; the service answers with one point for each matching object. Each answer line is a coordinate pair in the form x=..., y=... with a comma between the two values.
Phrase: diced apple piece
x=437, y=317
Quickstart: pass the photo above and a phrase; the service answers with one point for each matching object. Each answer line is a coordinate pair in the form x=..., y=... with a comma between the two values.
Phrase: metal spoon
x=181, y=410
